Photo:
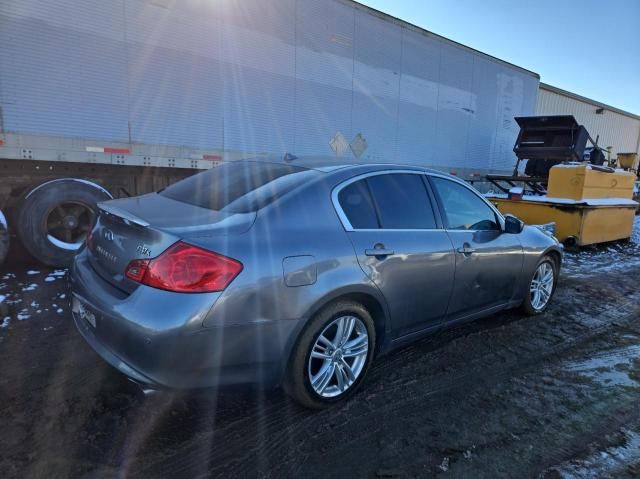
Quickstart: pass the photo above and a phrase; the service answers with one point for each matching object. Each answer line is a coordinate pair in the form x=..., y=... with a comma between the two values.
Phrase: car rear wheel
x=541, y=286
x=332, y=355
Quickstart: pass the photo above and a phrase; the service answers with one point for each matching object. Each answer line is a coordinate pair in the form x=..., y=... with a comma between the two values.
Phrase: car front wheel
x=541, y=287
x=332, y=355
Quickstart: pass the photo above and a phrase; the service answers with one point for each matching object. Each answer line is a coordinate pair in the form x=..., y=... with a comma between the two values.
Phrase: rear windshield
x=239, y=187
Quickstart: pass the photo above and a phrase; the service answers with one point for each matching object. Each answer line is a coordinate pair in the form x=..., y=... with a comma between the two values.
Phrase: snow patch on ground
x=608, y=368
x=605, y=257
x=26, y=296
x=58, y=273
x=611, y=462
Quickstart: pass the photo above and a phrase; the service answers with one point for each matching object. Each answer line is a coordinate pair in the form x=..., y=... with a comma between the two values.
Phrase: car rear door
x=400, y=244
x=488, y=261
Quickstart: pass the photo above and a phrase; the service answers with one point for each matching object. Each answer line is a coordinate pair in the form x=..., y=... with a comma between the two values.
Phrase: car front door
x=391, y=221
x=488, y=261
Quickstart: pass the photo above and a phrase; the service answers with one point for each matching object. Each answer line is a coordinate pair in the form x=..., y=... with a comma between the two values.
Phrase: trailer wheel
x=4, y=238
x=56, y=216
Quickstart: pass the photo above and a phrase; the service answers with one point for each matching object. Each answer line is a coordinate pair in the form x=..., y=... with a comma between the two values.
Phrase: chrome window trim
x=343, y=217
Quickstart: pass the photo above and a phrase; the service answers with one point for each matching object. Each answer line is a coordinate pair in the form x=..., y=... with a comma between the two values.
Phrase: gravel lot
x=509, y=396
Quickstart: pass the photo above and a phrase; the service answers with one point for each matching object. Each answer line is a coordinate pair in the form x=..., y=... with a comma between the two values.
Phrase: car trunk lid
x=144, y=227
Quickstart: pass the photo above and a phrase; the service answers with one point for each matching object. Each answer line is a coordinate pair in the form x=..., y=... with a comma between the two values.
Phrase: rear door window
x=358, y=206
x=388, y=201
x=239, y=187
x=402, y=201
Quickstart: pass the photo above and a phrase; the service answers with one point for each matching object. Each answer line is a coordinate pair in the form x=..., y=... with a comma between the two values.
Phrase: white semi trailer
x=108, y=99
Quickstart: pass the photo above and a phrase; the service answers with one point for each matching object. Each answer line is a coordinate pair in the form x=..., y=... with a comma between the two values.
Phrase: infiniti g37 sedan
x=297, y=273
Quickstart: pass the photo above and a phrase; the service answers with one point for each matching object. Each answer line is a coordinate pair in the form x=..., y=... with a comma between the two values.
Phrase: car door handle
x=466, y=250
x=378, y=252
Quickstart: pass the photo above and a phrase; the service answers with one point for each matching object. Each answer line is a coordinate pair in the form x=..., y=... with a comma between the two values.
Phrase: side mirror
x=512, y=225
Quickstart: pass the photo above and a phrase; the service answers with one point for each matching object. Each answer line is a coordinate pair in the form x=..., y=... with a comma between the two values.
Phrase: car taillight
x=185, y=268
x=136, y=269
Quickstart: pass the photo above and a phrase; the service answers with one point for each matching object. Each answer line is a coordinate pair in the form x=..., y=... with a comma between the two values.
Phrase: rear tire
x=55, y=217
x=532, y=304
x=298, y=383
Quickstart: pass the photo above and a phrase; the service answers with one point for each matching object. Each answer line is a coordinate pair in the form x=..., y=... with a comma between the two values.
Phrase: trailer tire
x=55, y=216
x=4, y=238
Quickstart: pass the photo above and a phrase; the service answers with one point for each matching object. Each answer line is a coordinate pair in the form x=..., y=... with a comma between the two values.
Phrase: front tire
x=332, y=356
x=541, y=287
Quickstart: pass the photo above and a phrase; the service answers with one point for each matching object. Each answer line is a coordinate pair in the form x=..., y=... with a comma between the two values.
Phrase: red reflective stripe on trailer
x=212, y=157
x=116, y=150
x=1, y=142
x=453, y=173
x=107, y=149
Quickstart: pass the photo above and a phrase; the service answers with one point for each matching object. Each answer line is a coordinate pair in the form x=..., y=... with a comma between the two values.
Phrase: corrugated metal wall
x=619, y=131
x=256, y=76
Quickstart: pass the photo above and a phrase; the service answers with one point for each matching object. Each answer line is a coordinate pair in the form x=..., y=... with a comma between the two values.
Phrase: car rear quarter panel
x=302, y=224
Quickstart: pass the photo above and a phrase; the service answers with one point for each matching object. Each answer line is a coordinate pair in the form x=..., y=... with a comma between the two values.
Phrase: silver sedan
x=297, y=273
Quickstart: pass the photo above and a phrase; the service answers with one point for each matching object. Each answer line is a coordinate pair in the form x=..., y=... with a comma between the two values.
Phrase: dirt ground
x=510, y=396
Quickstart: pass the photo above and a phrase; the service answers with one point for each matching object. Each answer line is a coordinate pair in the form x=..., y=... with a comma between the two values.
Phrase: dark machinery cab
x=543, y=142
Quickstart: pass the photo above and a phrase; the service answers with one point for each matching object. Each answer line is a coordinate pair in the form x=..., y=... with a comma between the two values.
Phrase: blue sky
x=590, y=47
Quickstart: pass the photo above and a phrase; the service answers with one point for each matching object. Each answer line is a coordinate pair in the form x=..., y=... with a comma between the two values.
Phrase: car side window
x=464, y=210
x=402, y=201
x=358, y=206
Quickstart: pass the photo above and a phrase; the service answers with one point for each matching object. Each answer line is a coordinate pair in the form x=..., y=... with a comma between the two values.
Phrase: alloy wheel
x=338, y=356
x=542, y=285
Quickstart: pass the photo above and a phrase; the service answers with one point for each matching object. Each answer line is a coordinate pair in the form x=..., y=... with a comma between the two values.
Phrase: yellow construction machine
x=588, y=202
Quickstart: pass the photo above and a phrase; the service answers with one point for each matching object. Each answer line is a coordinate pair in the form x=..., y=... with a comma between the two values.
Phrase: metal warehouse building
x=617, y=129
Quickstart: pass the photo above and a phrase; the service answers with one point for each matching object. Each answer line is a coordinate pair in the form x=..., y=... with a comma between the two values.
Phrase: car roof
x=327, y=164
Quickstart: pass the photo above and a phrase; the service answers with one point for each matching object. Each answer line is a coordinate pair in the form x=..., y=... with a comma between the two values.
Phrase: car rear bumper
x=157, y=338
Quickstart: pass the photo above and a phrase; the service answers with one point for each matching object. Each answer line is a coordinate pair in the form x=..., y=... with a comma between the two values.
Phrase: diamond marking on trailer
x=359, y=145
x=339, y=144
